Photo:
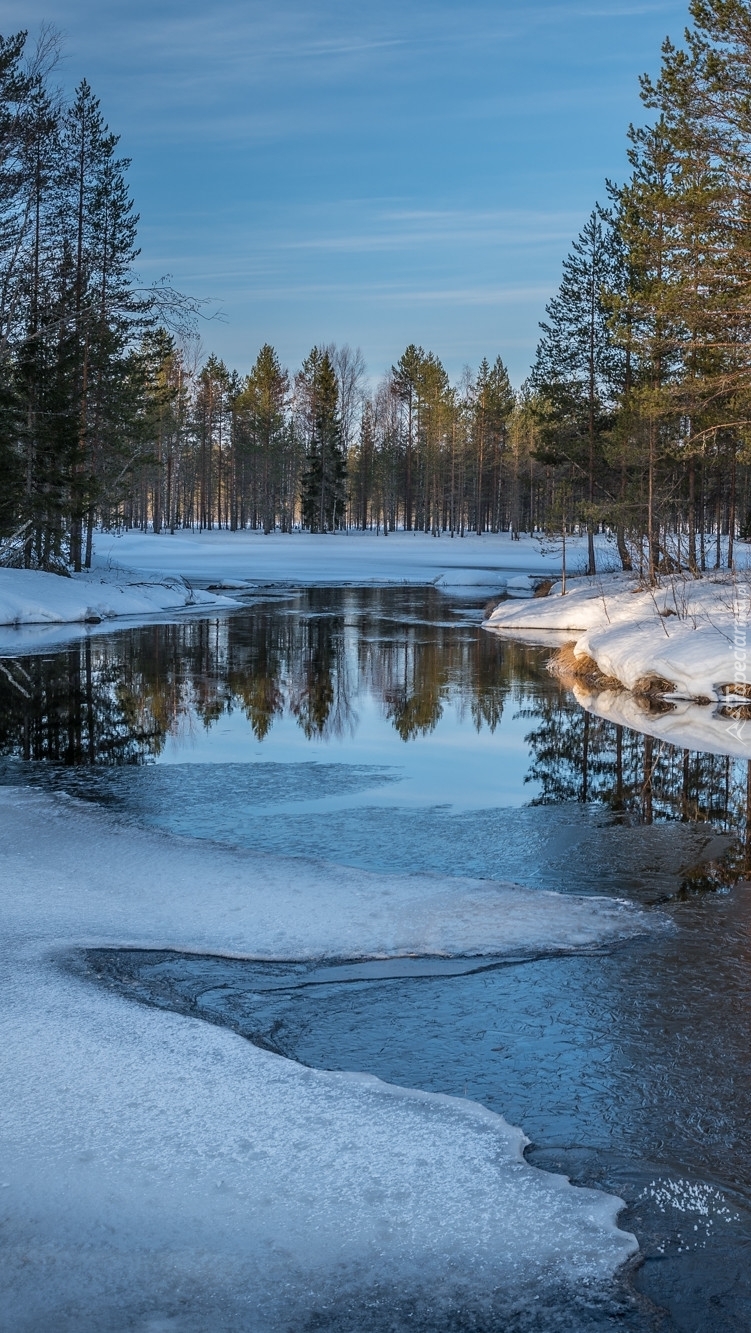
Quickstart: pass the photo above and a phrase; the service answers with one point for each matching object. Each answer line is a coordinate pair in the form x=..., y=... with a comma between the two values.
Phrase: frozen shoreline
x=150, y=1156
x=31, y=597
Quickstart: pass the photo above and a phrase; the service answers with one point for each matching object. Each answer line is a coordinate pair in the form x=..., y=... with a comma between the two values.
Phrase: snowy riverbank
x=684, y=640
x=151, y=1159
x=138, y=576
x=672, y=662
x=31, y=597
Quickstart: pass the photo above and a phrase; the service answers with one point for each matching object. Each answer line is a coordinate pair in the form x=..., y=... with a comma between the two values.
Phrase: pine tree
x=404, y=376
x=261, y=407
x=648, y=210
x=699, y=98
x=492, y=404
x=16, y=91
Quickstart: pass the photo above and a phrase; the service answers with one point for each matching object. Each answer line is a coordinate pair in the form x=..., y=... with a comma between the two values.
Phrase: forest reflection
x=118, y=699
x=315, y=657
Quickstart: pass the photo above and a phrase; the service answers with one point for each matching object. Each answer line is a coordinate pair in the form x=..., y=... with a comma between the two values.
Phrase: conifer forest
x=635, y=417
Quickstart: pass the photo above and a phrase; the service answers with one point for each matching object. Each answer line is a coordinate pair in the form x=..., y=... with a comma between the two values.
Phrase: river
x=384, y=728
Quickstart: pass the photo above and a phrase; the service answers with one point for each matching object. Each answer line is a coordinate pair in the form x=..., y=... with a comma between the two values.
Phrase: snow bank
x=30, y=597
x=139, y=575
x=689, y=633
x=160, y=1169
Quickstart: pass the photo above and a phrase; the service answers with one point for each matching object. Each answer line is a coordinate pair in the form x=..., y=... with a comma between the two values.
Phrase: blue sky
x=375, y=174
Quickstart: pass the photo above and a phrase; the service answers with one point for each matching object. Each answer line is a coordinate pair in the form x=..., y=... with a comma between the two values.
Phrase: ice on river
x=156, y=1168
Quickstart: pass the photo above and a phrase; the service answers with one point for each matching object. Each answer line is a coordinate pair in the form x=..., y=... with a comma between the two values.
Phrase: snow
x=31, y=597
x=690, y=632
x=157, y=1168
x=139, y=576
x=344, y=557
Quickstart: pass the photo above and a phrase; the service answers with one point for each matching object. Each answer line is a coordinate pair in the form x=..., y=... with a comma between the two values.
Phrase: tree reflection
x=72, y=709
x=315, y=658
x=118, y=699
x=578, y=756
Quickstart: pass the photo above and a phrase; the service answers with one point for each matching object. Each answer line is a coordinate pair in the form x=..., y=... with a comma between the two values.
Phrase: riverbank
x=31, y=597
x=137, y=574
x=684, y=640
x=206, y=1181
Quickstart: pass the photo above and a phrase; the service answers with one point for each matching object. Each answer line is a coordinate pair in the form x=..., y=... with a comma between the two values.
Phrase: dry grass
x=738, y=712
x=542, y=589
x=651, y=687
x=572, y=667
x=569, y=667
x=739, y=691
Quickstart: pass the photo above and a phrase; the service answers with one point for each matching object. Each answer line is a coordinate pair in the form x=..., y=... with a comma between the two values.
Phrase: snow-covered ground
x=139, y=576
x=361, y=558
x=690, y=634
x=30, y=597
x=159, y=1172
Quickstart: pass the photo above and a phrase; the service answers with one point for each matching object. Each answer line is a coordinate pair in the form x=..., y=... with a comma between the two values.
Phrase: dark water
x=384, y=728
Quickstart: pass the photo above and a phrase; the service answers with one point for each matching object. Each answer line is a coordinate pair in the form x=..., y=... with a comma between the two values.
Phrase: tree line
x=634, y=418
x=320, y=449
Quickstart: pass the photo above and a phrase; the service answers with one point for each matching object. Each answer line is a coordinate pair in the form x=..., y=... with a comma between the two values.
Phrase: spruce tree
x=492, y=404
x=324, y=480
x=260, y=407
x=404, y=376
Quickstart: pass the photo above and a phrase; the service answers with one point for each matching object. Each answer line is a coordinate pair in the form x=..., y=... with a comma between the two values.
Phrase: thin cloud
x=350, y=168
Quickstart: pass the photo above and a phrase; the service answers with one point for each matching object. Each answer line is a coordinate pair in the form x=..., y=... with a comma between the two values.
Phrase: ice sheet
x=156, y=1168
x=141, y=888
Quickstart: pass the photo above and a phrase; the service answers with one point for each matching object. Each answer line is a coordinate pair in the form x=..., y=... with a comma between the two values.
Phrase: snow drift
x=31, y=597
x=686, y=639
